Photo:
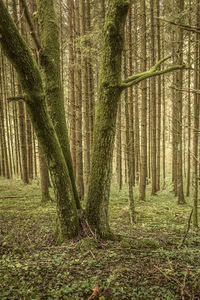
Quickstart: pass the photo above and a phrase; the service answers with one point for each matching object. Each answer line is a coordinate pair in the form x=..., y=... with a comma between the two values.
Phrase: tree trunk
x=189, y=110
x=153, y=104
x=130, y=94
x=105, y=121
x=78, y=101
x=179, y=83
x=119, y=147
x=71, y=89
x=136, y=98
x=50, y=61
x=128, y=152
x=196, y=126
x=44, y=177
x=85, y=98
x=143, y=152
x=159, y=97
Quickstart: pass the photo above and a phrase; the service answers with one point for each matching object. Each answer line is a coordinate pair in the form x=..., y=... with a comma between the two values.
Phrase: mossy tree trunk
x=30, y=78
x=105, y=119
x=50, y=61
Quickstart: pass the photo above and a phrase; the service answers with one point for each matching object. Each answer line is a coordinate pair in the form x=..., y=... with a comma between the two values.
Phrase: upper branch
x=153, y=69
x=135, y=79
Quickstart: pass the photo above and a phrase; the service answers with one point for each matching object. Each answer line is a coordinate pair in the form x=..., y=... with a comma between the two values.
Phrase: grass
x=147, y=263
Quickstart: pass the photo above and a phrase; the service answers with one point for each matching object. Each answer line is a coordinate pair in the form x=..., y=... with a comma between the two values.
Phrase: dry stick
x=11, y=197
x=188, y=228
x=16, y=98
x=186, y=90
x=183, y=26
x=181, y=286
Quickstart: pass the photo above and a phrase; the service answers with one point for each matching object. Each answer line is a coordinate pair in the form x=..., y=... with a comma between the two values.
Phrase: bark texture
x=50, y=61
x=105, y=121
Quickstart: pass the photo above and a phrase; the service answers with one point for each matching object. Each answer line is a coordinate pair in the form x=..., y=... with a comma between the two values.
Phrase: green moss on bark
x=50, y=61
x=105, y=122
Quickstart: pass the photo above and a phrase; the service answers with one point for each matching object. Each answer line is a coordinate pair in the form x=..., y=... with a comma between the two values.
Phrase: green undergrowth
x=146, y=262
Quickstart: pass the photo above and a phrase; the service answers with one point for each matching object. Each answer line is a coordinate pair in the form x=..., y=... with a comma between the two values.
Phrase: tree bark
x=50, y=61
x=105, y=121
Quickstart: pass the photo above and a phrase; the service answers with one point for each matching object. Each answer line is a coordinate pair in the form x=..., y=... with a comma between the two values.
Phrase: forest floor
x=148, y=262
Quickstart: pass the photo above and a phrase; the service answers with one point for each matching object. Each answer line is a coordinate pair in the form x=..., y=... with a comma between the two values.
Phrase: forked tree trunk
x=30, y=78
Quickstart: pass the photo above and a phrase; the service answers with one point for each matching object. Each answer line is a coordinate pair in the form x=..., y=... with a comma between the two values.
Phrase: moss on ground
x=145, y=262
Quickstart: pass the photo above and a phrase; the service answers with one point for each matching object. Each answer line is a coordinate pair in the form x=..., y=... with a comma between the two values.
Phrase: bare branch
x=30, y=24
x=183, y=26
x=188, y=90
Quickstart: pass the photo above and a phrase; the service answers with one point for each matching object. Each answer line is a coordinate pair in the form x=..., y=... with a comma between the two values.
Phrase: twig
x=92, y=254
x=188, y=228
x=181, y=286
x=183, y=26
x=185, y=90
x=16, y=98
x=7, y=197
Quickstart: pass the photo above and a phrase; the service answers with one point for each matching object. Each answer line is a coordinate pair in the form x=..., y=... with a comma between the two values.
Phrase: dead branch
x=190, y=90
x=188, y=228
x=183, y=26
x=180, y=285
x=16, y=98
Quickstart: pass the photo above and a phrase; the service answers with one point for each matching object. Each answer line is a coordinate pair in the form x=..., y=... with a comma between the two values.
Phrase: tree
x=30, y=78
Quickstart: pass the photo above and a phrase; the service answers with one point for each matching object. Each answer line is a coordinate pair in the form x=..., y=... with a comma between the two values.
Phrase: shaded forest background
x=149, y=249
